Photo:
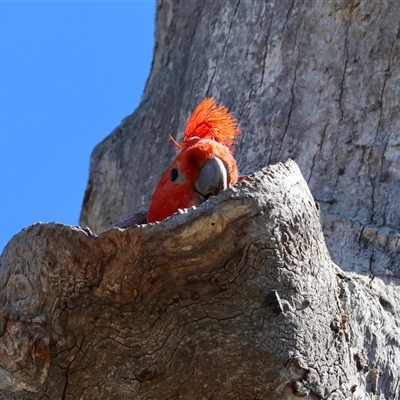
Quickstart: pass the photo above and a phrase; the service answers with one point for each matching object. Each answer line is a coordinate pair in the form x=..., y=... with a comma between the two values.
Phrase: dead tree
x=238, y=298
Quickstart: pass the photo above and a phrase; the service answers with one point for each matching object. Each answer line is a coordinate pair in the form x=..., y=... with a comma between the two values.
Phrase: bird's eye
x=173, y=175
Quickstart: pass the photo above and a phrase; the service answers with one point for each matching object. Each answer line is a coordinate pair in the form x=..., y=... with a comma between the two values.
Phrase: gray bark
x=314, y=81
x=238, y=298
x=235, y=299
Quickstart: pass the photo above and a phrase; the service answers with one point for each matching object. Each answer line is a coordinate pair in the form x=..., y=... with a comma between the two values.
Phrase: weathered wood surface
x=316, y=81
x=237, y=298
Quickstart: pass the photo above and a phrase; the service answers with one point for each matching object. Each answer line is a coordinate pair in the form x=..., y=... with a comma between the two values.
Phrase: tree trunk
x=314, y=81
x=238, y=298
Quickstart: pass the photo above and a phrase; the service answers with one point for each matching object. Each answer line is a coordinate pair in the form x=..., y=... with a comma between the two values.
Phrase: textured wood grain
x=237, y=298
x=316, y=81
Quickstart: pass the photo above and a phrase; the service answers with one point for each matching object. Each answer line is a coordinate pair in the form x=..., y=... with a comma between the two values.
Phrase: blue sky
x=69, y=73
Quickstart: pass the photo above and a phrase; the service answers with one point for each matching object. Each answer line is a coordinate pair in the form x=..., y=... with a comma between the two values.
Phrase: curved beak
x=212, y=179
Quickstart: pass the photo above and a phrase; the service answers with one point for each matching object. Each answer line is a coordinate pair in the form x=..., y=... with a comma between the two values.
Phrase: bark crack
x=292, y=100
x=64, y=393
x=378, y=128
x=346, y=47
x=321, y=144
x=288, y=15
x=342, y=115
x=265, y=55
x=225, y=47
